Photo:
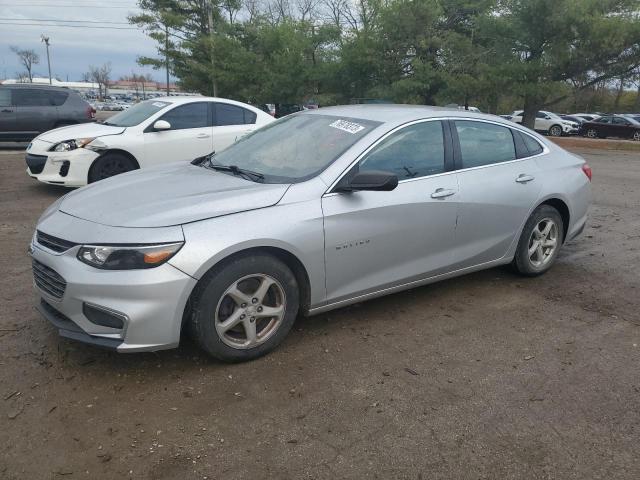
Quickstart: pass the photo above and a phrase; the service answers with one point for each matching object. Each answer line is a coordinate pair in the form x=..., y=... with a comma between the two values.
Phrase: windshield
x=295, y=148
x=136, y=114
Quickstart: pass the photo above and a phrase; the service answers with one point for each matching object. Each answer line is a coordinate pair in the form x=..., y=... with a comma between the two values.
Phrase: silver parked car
x=318, y=210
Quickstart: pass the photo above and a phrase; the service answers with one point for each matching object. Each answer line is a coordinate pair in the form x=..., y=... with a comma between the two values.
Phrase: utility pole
x=214, y=84
x=166, y=53
x=46, y=42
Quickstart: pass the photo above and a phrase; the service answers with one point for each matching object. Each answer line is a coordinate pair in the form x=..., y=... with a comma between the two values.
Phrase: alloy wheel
x=250, y=311
x=591, y=133
x=636, y=136
x=556, y=131
x=543, y=242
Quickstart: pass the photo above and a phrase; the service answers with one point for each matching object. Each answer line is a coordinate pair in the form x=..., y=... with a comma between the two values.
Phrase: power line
x=67, y=26
x=63, y=21
x=64, y=6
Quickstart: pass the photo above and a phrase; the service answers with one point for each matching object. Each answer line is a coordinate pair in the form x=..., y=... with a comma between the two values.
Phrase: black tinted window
x=58, y=98
x=5, y=97
x=414, y=151
x=191, y=115
x=620, y=121
x=232, y=115
x=28, y=97
x=604, y=120
x=484, y=143
x=532, y=145
x=540, y=115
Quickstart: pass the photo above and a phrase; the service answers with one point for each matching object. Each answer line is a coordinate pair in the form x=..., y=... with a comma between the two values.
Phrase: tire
x=593, y=133
x=533, y=263
x=555, y=131
x=110, y=164
x=225, y=309
x=636, y=136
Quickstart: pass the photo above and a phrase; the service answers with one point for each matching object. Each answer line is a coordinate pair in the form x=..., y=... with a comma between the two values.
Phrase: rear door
x=376, y=240
x=497, y=189
x=190, y=135
x=35, y=111
x=231, y=123
x=622, y=128
x=7, y=115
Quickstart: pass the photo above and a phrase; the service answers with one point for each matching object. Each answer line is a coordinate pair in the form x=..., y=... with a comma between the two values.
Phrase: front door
x=190, y=135
x=497, y=191
x=376, y=240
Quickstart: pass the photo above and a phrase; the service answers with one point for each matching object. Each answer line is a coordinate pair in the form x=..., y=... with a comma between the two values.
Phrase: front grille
x=48, y=280
x=35, y=163
x=54, y=243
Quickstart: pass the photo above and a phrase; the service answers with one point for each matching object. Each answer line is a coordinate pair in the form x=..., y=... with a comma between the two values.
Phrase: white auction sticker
x=347, y=126
x=158, y=104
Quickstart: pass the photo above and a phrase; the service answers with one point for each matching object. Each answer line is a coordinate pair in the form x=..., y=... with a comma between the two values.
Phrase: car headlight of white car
x=72, y=144
x=127, y=257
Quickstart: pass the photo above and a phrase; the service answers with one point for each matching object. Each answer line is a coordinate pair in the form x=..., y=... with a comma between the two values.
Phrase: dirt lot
x=489, y=376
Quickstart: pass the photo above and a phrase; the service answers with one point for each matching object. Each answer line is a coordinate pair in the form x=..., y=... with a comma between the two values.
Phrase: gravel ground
x=488, y=376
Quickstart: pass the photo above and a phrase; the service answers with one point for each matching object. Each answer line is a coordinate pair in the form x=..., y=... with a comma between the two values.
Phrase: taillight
x=587, y=171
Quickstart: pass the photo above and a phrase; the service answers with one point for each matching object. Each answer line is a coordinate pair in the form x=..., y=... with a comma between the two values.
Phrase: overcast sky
x=73, y=49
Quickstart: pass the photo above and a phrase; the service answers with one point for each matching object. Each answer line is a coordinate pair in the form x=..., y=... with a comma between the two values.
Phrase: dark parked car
x=612, y=126
x=571, y=118
x=27, y=110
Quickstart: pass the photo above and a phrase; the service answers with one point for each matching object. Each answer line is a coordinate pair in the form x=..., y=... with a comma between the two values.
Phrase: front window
x=136, y=114
x=295, y=148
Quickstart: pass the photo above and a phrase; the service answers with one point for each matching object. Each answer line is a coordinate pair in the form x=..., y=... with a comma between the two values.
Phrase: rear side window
x=58, y=98
x=484, y=143
x=5, y=97
x=191, y=115
x=31, y=97
x=604, y=120
x=233, y=115
x=412, y=152
x=533, y=146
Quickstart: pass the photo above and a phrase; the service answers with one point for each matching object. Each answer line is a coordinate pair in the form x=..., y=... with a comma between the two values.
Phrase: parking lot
x=488, y=376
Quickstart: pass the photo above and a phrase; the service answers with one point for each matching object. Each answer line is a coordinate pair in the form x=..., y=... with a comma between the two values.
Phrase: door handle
x=524, y=178
x=6, y=110
x=203, y=135
x=442, y=193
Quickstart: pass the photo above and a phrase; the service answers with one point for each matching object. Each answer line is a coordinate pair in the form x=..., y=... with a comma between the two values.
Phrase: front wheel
x=540, y=242
x=244, y=308
x=555, y=131
x=592, y=133
x=110, y=164
x=636, y=136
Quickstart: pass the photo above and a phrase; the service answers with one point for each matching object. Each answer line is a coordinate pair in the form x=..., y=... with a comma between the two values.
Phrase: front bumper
x=150, y=302
x=569, y=130
x=70, y=168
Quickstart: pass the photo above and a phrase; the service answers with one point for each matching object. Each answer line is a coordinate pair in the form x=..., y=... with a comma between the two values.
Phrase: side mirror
x=547, y=117
x=369, y=180
x=160, y=125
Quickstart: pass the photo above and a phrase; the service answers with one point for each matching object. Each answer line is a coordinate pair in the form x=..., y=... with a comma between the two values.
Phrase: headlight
x=127, y=257
x=71, y=144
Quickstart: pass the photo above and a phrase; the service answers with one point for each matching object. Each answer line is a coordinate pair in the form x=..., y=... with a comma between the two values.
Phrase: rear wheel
x=110, y=164
x=636, y=136
x=540, y=242
x=244, y=308
x=555, y=131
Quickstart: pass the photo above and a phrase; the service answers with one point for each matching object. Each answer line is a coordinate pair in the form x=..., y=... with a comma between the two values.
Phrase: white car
x=150, y=133
x=549, y=123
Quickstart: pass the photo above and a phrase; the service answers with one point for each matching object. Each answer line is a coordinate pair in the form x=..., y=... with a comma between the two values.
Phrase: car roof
x=35, y=85
x=398, y=114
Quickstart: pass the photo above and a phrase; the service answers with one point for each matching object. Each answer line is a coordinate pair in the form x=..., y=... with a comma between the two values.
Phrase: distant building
x=119, y=85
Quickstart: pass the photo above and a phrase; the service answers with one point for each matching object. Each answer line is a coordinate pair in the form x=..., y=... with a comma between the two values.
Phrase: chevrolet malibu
x=150, y=133
x=318, y=210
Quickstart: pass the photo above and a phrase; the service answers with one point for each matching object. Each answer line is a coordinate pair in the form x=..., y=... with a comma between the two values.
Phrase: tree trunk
x=619, y=93
x=637, y=107
x=530, y=110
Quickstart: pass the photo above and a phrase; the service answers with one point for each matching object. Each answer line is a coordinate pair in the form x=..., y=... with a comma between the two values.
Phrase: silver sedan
x=318, y=210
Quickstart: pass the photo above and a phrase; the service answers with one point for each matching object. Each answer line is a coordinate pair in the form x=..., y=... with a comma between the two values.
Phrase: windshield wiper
x=248, y=174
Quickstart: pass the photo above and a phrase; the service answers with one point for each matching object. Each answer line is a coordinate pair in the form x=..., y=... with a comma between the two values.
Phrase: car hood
x=169, y=195
x=83, y=130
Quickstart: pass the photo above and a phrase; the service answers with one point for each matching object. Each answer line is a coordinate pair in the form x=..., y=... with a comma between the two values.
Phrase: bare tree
x=307, y=9
x=334, y=11
x=101, y=76
x=28, y=58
